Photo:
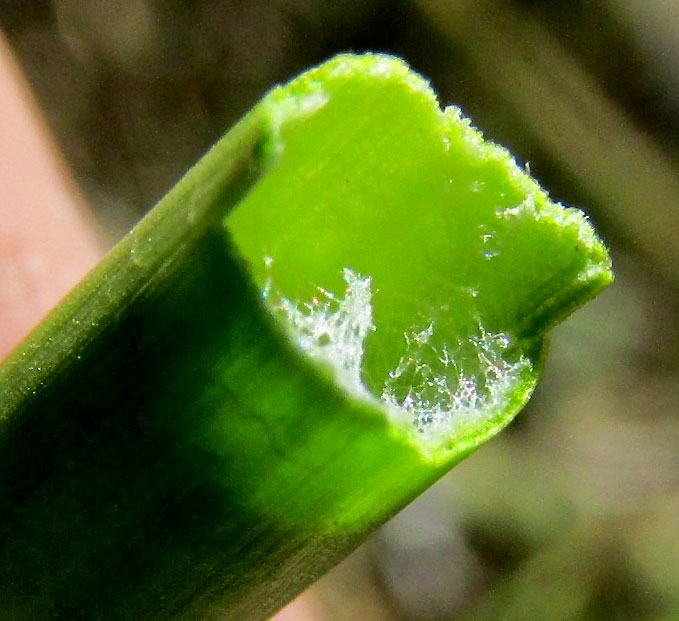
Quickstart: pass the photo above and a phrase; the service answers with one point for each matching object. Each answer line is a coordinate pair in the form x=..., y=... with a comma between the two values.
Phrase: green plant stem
x=167, y=452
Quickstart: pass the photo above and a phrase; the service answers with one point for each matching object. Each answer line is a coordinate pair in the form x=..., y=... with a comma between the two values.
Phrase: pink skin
x=304, y=608
x=47, y=239
x=47, y=236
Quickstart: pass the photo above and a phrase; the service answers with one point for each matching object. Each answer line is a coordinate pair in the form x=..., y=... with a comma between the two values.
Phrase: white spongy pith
x=430, y=385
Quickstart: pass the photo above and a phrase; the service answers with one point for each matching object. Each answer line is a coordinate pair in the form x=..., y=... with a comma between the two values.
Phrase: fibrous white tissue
x=430, y=385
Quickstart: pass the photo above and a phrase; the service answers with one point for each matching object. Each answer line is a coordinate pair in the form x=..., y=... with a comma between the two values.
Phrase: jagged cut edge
x=306, y=94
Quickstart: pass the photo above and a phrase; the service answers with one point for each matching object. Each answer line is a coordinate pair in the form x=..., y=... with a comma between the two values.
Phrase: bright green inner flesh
x=369, y=174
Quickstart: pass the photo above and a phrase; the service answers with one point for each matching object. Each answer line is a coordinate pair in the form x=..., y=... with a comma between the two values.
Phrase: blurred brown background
x=573, y=512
